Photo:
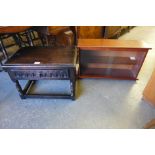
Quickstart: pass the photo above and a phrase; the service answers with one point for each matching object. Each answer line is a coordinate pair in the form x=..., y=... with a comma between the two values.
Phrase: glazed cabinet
x=109, y=58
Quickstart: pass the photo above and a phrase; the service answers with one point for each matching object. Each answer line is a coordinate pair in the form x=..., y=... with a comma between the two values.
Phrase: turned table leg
x=21, y=93
x=72, y=83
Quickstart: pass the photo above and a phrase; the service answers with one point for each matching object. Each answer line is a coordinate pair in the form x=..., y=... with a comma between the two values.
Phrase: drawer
x=39, y=74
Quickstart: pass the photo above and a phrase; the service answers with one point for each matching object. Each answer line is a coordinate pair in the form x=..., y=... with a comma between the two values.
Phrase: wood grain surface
x=112, y=43
x=13, y=29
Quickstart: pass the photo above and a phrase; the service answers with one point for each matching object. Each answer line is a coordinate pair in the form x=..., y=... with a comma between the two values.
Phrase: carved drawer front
x=39, y=74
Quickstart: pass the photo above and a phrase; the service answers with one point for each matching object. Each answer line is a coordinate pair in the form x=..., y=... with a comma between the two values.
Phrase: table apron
x=39, y=74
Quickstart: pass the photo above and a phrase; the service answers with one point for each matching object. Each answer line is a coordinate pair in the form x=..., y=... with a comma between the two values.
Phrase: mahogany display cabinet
x=109, y=58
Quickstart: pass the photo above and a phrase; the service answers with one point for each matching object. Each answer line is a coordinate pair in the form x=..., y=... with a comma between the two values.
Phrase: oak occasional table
x=42, y=63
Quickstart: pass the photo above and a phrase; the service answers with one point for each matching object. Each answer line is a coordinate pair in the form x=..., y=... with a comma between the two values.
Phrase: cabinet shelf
x=109, y=66
x=109, y=60
x=114, y=72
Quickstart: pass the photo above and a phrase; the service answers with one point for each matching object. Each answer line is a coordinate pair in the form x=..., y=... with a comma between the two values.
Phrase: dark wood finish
x=45, y=55
x=111, y=58
x=42, y=63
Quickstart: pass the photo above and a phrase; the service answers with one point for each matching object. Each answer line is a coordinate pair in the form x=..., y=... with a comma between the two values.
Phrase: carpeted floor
x=100, y=103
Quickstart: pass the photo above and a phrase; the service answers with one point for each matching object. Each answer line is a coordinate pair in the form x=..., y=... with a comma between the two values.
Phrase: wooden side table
x=111, y=58
x=42, y=63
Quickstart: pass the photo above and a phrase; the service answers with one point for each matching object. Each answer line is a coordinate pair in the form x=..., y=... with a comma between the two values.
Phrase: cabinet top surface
x=112, y=43
x=38, y=56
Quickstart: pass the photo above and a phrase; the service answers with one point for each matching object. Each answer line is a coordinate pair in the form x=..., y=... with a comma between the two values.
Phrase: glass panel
x=111, y=63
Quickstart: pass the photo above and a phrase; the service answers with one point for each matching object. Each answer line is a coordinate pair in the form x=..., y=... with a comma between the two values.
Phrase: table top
x=112, y=43
x=43, y=56
x=13, y=29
